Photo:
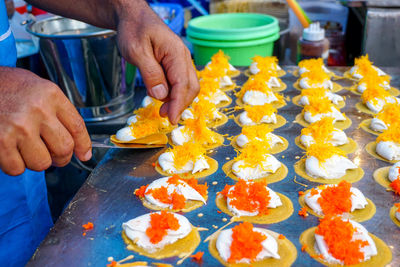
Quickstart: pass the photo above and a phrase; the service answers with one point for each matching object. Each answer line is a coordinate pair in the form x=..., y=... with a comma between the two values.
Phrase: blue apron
x=24, y=212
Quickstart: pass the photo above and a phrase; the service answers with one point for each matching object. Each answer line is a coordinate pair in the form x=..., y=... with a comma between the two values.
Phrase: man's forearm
x=101, y=13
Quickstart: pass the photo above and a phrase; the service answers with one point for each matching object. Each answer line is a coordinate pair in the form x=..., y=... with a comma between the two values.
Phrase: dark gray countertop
x=107, y=199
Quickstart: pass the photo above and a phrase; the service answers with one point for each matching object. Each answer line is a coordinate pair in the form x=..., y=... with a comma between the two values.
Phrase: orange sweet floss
x=321, y=130
x=395, y=185
x=390, y=113
x=160, y=223
x=397, y=205
x=301, y=193
x=316, y=75
x=175, y=199
x=140, y=191
x=338, y=236
x=198, y=257
x=391, y=134
x=303, y=212
x=256, y=113
x=112, y=264
x=318, y=106
x=248, y=196
x=186, y=152
x=201, y=188
x=304, y=247
x=255, y=83
x=246, y=243
x=323, y=151
x=89, y=226
x=281, y=237
x=253, y=154
x=197, y=129
x=372, y=93
x=313, y=192
x=336, y=199
x=364, y=66
x=266, y=64
x=310, y=63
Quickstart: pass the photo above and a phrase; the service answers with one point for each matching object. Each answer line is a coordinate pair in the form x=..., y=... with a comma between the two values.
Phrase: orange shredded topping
x=198, y=257
x=281, y=237
x=246, y=243
x=253, y=154
x=84, y=234
x=316, y=75
x=186, y=152
x=220, y=60
x=160, y=223
x=256, y=83
x=208, y=87
x=336, y=199
x=389, y=114
x=140, y=191
x=397, y=205
x=175, y=199
x=256, y=131
x=248, y=196
x=200, y=133
x=174, y=179
x=266, y=64
x=304, y=247
x=364, y=66
x=112, y=264
x=313, y=192
x=395, y=185
x=301, y=193
x=319, y=106
x=212, y=71
x=321, y=130
x=203, y=109
x=317, y=92
x=303, y=212
x=89, y=226
x=371, y=94
x=323, y=151
x=311, y=63
x=391, y=134
x=338, y=236
x=256, y=113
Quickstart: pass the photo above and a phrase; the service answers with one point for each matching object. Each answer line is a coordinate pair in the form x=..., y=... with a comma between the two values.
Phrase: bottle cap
x=314, y=32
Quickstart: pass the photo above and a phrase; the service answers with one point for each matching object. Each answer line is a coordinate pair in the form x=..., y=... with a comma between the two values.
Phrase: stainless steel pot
x=85, y=62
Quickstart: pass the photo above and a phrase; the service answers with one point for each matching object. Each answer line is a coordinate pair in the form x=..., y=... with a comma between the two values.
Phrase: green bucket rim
x=232, y=34
x=209, y=43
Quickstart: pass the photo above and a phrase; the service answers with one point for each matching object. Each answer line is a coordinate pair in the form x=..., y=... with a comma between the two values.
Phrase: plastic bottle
x=313, y=44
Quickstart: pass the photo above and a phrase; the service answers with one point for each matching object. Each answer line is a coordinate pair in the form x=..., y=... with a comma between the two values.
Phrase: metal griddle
x=107, y=199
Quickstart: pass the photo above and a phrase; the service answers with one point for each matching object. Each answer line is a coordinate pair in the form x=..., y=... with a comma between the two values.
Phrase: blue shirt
x=24, y=212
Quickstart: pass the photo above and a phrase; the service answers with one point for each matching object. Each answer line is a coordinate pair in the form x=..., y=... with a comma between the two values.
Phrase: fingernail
x=159, y=91
x=88, y=155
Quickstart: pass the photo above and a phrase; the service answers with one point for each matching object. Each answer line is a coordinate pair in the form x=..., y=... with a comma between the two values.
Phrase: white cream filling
x=339, y=138
x=135, y=230
x=378, y=125
x=377, y=104
x=166, y=161
x=272, y=139
x=335, y=114
x=397, y=215
x=269, y=246
x=334, y=98
x=332, y=168
x=358, y=200
x=182, y=188
x=225, y=81
x=188, y=114
x=147, y=100
x=245, y=120
x=179, y=136
x=269, y=165
x=394, y=171
x=218, y=97
x=125, y=134
x=363, y=86
x=355, y=74
x=257, y=98
x=274, y=202
x=305, y=84
x=273, y=82
x=389, y=150
x=360, y=234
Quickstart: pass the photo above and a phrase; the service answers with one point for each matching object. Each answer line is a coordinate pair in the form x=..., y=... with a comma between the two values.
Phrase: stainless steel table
x=107, y=199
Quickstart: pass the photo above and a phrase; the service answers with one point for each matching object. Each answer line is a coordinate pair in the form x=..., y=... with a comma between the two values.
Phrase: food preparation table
x=107, y=199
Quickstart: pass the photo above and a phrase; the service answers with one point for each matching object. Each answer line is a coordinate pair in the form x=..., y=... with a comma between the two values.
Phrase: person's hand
x=39, y=126
x=163, y=60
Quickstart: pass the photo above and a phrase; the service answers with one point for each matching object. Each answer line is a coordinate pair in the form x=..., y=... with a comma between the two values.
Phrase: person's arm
x=39, y=126
x=145, y=41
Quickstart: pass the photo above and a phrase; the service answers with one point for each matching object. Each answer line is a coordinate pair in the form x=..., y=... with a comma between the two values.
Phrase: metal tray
x=107, y=199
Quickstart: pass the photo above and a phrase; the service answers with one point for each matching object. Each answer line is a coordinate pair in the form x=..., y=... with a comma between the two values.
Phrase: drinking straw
x=299, y=12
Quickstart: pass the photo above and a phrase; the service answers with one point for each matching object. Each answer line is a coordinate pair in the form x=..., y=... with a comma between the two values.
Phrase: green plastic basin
x=232, y=26
x=240, y=52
